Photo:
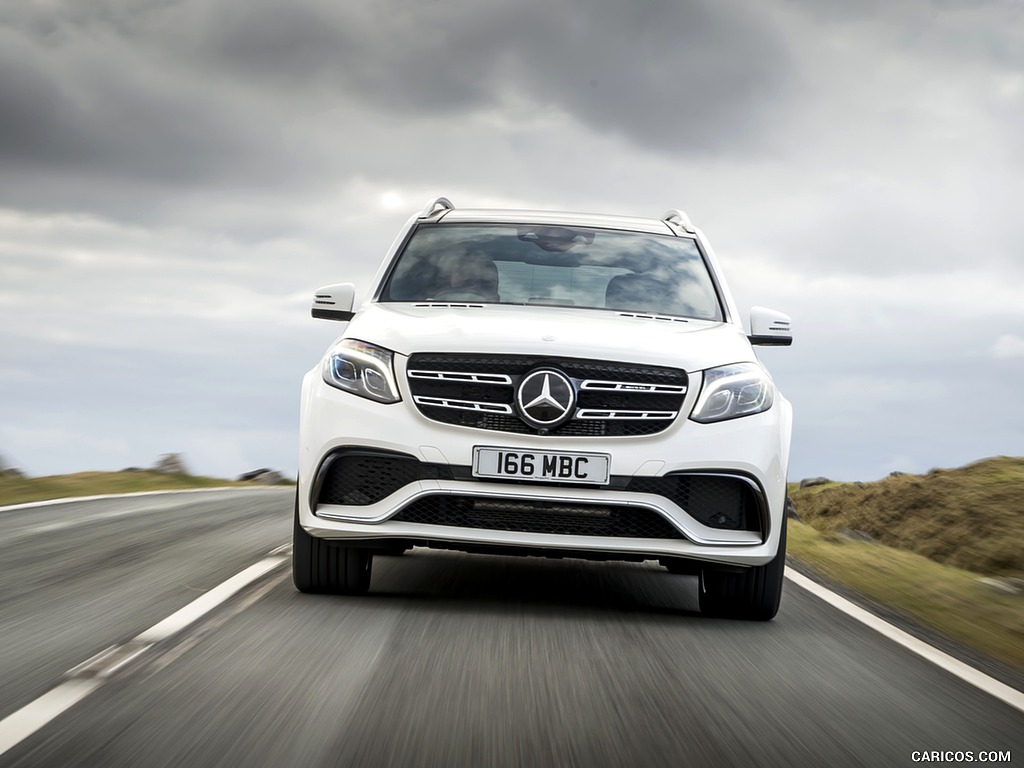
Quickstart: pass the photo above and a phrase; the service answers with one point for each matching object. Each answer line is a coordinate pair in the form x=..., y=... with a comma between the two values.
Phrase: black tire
x=326, y=568
x=753, y=594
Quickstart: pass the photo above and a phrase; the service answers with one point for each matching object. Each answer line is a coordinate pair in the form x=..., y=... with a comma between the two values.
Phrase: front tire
x=324, y=567
x=753, y=594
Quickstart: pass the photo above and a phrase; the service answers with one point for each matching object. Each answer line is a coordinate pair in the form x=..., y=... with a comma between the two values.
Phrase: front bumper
x=753, y=449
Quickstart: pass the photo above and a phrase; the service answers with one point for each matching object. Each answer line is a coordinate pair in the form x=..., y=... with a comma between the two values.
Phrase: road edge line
x=954, y=666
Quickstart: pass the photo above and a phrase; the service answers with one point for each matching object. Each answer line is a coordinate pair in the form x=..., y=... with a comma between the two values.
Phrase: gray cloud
x=190, y=92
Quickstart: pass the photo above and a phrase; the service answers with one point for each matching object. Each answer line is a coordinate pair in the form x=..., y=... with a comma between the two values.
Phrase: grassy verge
x=19, y=490
x=945, y=598
x=971, y=517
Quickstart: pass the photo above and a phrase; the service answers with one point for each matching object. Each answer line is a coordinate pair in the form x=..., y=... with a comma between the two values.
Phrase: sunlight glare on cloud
x=392, y=200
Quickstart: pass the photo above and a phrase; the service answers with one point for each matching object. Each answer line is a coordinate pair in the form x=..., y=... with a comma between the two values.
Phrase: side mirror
x=334, y=302
x=769, y=328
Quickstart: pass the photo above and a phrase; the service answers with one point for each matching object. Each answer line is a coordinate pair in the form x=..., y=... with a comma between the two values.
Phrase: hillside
x=17, y=489
x=971, y=517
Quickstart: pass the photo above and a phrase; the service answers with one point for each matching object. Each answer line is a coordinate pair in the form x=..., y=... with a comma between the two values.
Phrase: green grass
x=935, y=536
x=19, y=490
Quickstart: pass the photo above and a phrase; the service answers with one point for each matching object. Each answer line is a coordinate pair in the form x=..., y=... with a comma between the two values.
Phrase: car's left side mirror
x=334, y=302
x=769, y=328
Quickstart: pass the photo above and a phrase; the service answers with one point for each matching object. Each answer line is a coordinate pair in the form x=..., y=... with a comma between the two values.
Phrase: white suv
x=549, y=384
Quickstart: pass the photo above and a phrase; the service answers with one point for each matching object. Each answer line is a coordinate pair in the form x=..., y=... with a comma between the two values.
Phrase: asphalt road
x=452, y=660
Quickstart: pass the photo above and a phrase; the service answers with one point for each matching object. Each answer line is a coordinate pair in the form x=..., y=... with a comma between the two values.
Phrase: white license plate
x=524, y=464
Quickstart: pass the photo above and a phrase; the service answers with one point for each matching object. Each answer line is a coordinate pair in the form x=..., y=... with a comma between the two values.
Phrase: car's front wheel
x=325, y=567
x=753, y=593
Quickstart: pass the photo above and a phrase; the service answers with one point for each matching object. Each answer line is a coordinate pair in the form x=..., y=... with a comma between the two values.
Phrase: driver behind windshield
x=470, y=276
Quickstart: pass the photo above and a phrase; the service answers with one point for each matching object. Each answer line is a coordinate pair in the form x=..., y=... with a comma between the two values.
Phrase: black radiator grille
x=464, y=400
x=528, y=516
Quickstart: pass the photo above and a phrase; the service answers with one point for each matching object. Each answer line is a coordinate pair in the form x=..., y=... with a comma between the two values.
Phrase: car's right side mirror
x=769, y=328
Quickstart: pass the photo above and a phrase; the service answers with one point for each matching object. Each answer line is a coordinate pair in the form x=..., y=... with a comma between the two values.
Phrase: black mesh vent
x=718, y=502
x=539, y=517
x=358, y=478
x=517, y=366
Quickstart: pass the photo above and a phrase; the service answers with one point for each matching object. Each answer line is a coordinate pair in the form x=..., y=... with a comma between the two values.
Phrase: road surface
x=452, y=660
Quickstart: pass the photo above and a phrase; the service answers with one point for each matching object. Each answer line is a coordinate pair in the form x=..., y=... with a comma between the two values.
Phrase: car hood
x=559, y=332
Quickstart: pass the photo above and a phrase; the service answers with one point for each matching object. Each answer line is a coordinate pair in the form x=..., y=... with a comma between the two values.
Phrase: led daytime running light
x=362, y=369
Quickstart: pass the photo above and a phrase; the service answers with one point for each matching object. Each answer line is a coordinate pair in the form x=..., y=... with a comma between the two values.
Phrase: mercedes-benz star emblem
x=545, y=398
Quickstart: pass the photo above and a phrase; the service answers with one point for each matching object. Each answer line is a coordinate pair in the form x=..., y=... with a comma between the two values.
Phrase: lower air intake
x=539, y=517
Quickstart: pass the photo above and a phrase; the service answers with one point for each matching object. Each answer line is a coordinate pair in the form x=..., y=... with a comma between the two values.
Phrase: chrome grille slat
x=475, y=378
x=631, y=387
x=591, y=413
x=465, y=405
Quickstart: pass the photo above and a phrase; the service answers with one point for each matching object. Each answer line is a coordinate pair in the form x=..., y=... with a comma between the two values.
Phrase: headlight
x=732, y=391
x=363, y=370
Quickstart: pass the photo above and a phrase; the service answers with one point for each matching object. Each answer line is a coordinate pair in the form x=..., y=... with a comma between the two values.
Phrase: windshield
x=554, y=266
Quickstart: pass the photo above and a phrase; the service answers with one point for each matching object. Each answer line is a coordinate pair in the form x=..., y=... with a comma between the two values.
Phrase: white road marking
x=92, y=673
x=199, y=607
x=34, y=715
x=105, y=663
x=954, y=666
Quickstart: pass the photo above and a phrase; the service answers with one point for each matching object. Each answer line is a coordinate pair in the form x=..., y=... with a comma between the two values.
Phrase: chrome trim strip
x=602, y=414
x=631, y=387
x=462, y=405
x=471, y=378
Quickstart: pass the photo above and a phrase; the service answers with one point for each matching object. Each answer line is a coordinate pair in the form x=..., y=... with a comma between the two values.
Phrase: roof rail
x=438, y=202
x=677, y=217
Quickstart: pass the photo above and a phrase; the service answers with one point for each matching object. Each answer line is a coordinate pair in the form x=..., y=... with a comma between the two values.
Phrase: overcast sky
x=178, y=176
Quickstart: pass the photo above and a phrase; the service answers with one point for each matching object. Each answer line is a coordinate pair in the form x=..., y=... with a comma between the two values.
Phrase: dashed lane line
x=91, y=674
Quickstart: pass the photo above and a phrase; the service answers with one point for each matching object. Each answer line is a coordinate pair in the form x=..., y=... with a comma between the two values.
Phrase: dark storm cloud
x=185, y=92
x=88, y=108
x=681, y=76
x=657, y=72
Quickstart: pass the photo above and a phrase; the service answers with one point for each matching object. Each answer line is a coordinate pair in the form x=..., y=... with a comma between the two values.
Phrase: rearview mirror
x=334, y=302
x=769, y=328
